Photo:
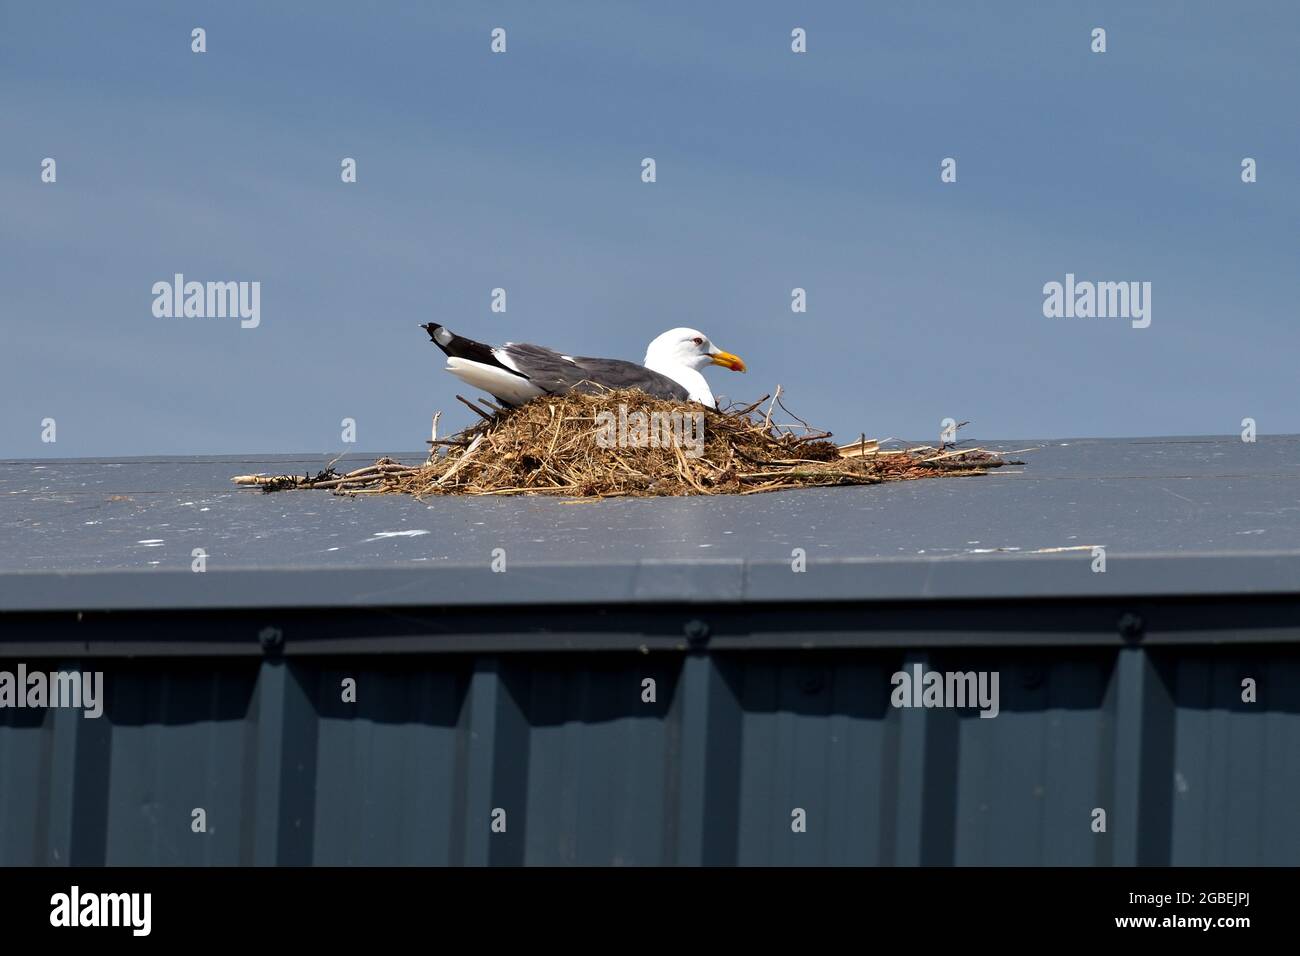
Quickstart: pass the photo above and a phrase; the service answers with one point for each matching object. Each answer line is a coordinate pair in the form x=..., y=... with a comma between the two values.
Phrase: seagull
x=517, y=372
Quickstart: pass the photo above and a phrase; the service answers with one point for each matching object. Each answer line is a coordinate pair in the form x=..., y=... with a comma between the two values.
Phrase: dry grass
x=550, y=447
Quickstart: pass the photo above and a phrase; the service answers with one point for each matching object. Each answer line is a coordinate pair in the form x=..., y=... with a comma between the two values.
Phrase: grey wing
x=558, y=373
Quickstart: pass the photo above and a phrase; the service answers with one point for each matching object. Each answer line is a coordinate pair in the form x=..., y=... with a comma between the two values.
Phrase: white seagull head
x=690, y=348
x=681, y=353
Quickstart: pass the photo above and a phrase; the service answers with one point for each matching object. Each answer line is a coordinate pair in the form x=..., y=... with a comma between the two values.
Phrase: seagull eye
x=698, y=341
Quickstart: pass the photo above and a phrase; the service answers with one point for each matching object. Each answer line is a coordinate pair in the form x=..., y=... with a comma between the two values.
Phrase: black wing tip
x=431, y=328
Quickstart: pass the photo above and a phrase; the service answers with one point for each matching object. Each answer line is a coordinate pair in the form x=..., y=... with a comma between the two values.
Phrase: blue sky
x=522, y=171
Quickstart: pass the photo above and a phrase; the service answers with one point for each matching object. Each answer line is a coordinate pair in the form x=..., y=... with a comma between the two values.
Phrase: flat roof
x=1175, y=515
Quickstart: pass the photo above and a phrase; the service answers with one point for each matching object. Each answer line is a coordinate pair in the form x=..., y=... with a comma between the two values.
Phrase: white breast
x=694, y=383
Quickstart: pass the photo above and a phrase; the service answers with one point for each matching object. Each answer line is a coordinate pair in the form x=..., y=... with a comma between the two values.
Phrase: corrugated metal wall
x=710, y=772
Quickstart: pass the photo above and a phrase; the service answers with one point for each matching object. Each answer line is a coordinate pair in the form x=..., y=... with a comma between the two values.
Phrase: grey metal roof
x=1203, y=515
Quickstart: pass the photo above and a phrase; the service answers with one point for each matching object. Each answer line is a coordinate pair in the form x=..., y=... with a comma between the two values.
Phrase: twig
x=474, y=408
x=767, y=421
x=792, y=414
x=748, y=408
x=433, y=437
x=473, y=447
x=953, y=454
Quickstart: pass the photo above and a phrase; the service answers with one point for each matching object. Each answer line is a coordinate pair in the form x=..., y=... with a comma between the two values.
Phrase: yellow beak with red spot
x=727, y=360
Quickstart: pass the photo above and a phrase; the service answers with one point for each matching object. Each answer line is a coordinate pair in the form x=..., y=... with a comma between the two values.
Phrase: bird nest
x=625, y=443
